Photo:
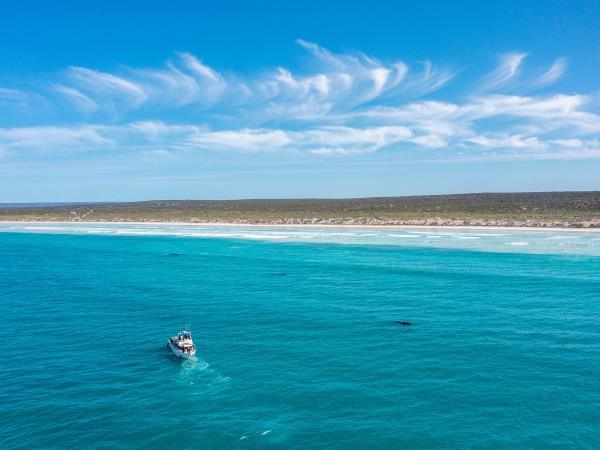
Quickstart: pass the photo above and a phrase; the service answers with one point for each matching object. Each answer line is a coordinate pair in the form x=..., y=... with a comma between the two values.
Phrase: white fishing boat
x=182, y=345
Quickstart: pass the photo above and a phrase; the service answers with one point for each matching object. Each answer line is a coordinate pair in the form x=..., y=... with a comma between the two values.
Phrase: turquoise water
x=297, y=342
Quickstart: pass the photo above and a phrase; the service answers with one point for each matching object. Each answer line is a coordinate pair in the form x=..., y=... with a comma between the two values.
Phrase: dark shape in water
x=173, y=254
x=404, y=323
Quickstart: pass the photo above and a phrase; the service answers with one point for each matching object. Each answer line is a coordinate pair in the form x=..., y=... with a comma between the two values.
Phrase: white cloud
x=142, y=136
x=155, y=137
x=545, y=112
x=340, y=104
x=569, y=143
x=339, y=82
x=102, y=84
x=196, y=66
x=12, y=97
x=430, y=80
x=507, y=70
x=553, y=74
x=169, y=85
x=53, y=139
x=430, y=141
x=78, y=99
x=248, y=140
x=347, y=140
x=509, y=142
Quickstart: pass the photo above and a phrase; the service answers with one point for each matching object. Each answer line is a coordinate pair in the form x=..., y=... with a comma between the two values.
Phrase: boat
x=182, y=345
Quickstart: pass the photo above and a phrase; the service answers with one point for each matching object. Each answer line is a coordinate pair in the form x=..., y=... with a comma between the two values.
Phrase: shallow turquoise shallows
x=297, y=345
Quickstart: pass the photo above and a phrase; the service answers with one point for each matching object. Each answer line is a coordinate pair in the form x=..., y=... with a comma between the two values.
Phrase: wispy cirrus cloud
x=507, y=70
x=144, y=136
x=182, y=82
x=102, y=85
x=552, y=125
x=553, y=74
x=76, y=98
x=339, y=82
x=429, y=80
x=55, y=139
x=22, y=102
x=12, y=97
x=356, y=78
x=340, y=104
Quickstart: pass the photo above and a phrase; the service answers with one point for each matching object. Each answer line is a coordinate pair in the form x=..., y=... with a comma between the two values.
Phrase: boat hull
x=179, y=353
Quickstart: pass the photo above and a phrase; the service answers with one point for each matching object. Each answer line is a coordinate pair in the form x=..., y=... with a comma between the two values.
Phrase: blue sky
x=105, y=101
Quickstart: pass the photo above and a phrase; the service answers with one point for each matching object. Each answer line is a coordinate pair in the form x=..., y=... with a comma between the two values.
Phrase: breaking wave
x=530, y=241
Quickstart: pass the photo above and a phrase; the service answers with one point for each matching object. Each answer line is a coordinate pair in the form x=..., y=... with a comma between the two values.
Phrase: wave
x=538, y=241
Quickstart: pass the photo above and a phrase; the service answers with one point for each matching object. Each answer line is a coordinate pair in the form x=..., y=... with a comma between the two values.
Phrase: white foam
x=538, y=241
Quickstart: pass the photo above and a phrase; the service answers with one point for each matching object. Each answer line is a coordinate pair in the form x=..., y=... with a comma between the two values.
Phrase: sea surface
x=298, y=342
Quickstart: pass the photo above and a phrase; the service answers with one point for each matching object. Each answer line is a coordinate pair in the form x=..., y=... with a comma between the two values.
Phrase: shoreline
x=333, y=226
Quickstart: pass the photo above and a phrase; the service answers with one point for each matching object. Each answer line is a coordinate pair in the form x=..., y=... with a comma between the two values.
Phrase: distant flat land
x=526, y=209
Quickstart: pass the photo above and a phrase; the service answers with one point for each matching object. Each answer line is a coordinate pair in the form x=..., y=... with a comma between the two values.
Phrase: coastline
x=322, y=226
x=489, y=211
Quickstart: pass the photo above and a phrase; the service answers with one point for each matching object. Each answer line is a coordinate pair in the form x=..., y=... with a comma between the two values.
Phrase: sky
x=140, y=100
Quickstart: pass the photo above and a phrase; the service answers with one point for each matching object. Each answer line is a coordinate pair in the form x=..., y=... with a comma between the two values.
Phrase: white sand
x=268, y=225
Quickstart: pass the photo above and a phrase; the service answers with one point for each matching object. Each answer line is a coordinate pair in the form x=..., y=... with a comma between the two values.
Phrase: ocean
x=298, y=341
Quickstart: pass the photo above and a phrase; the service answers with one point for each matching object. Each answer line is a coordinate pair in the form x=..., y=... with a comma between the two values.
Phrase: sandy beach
x=313, y=226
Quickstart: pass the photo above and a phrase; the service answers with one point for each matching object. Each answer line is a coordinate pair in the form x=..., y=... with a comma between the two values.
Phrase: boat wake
x=198, y=373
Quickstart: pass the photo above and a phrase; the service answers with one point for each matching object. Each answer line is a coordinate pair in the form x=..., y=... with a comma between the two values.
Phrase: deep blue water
x=297, y=345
